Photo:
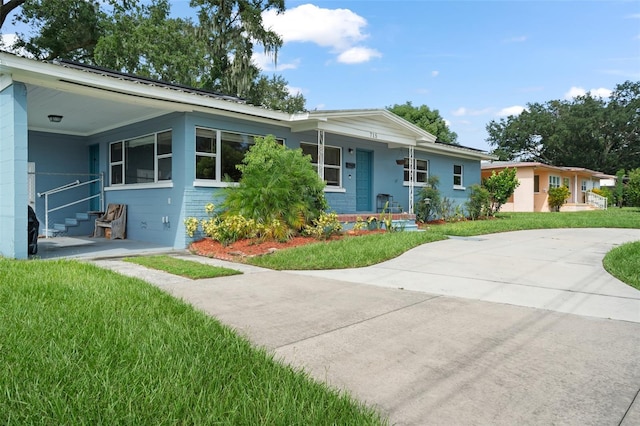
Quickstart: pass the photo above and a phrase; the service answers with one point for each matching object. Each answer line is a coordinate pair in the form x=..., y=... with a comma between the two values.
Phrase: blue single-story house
x=74, y=138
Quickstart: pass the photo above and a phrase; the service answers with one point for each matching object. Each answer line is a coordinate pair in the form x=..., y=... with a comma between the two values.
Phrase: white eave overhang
x=59, y=77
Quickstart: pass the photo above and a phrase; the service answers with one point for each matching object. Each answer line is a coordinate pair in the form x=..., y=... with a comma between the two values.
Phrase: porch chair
x=114, y=219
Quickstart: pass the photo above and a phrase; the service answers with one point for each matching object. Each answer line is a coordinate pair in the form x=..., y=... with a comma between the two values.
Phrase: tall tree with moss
x=427, y=119
x=142, y=38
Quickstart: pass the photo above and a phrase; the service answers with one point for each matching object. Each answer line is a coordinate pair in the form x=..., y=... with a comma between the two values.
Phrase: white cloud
x=512, y=110
x=518, y=39
x=265, y=62
x=435, y=73
x=462, y=111
x=633, y=16
x=356, y=55
x=294, y=91
x=6, y=43
x=574, y=92
x=340, y=30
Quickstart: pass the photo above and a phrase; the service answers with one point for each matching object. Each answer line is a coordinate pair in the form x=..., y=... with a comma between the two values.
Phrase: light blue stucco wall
x=14, y=196
x=59, y=160
x=148, y=205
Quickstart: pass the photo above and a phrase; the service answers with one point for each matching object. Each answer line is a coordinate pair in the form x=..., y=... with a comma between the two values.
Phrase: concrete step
x=71, y=221
x=82, y=216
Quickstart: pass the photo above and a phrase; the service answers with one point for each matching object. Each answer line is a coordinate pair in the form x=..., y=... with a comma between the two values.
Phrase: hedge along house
x=74, y=138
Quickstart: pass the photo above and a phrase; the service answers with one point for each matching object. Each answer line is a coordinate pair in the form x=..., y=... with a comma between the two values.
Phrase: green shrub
x=479, y=203
x=276, y=184
x=557, y=197
x=230, y=228
x=324, y=227
x=429, y=202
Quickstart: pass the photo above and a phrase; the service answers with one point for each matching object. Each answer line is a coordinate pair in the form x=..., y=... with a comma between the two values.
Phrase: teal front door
x=364, y=165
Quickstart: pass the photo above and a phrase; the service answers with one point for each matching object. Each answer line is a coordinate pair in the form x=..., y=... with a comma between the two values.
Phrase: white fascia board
x=381, y=116
x=372, y=135
x=50, y=75
x=455, y=152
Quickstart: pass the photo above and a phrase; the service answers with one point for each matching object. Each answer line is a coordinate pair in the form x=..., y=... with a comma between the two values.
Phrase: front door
x=363, y=180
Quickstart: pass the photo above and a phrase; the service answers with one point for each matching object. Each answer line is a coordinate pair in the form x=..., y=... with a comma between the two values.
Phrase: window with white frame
x=584, y=185
x=146, y=159
x=218, y=153
x=554, y=181
x=420, y=172
x=332, y=162
x=457, y=175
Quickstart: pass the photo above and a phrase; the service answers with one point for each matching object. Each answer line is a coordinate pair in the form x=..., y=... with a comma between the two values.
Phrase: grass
x=623, y=262
x=84, y=345
x=372, y=249
x=181, y=267
x=350, y=252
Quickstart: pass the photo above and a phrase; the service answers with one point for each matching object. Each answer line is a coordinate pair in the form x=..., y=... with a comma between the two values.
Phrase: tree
x=585, y=132
x=277, y=184
x=229, y=29
x=501, y=187
x=142, y=38
x=7, y=8
x=633, y=187
x=618, y=190
x=273, y=93
x=426, y=119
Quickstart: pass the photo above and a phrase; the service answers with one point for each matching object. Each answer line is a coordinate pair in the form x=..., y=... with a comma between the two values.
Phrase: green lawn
x=184, y=268
x=84, y=345
x=354, y=252
x=623, y=262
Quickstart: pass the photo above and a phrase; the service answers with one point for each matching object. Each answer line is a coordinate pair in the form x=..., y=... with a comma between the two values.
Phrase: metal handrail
x=596, y=200
x=60, y=188
x=71, y=185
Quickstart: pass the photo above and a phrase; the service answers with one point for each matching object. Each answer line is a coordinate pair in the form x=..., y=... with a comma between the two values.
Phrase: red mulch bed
x=249, y=248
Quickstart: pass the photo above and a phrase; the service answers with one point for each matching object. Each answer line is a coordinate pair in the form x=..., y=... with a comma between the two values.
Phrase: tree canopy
x=588, y=132
x=142, y=38
x=427, y=119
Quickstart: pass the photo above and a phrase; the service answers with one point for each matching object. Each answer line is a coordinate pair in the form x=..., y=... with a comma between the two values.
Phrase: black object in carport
x=34, y=228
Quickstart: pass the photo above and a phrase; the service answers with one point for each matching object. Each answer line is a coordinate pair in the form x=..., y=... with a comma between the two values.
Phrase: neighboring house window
x=584, y=185
x=536, y=183
x=457, y=175
x=146, y=159
x=554, y=181
x=332, y=162
x=421, y=171
x=231, y=147
x=566, y=182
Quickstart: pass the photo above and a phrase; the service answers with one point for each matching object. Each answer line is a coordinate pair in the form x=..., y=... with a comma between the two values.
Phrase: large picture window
x=332, y=162
x=554, y=181
x=219, y=152
x=421, y=171
x=146, y=159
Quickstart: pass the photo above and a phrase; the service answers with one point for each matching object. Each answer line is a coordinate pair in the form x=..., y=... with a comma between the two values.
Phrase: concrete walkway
x=441, y=351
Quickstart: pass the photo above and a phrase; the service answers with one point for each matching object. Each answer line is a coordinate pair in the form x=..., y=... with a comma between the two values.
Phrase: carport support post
x=14, y=196
x=321, y=154
x=412, y=177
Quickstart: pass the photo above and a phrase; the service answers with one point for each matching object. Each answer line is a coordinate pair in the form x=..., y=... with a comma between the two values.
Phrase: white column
x=412, y=177
x=321, y=154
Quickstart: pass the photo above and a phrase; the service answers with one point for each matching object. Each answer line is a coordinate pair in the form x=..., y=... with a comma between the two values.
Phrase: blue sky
x=473, y=61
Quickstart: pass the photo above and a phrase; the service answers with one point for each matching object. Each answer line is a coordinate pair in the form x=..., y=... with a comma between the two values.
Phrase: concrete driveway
x=497, y=330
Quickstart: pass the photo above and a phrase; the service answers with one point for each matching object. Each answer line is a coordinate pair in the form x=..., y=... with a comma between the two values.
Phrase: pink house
x=536, y=179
